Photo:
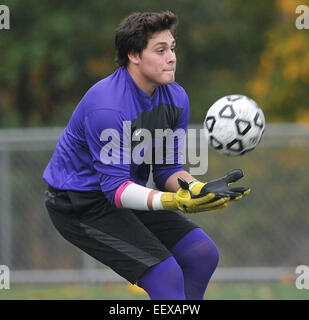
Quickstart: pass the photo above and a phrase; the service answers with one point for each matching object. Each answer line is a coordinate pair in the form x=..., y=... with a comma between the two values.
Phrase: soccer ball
x=234, y=125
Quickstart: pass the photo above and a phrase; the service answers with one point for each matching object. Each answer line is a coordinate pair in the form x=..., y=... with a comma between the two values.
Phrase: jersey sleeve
x=173, y=161
x=104, y=135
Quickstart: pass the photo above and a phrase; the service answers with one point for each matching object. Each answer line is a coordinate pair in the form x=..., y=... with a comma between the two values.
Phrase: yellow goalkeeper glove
x=185, y=201
x=222, y=186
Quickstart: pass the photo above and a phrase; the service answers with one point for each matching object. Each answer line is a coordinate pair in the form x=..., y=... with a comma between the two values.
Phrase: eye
x=161, y=51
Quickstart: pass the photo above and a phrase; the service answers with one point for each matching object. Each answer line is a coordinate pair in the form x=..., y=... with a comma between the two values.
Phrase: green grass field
x=216, y=291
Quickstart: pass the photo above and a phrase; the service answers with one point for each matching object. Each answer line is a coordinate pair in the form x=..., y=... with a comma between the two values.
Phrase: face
x=156, y=65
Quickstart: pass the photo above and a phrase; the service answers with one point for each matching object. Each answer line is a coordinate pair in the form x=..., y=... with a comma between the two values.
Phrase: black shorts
x=128, y=241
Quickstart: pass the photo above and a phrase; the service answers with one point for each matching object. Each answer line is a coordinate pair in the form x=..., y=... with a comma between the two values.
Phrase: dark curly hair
x=134, y=31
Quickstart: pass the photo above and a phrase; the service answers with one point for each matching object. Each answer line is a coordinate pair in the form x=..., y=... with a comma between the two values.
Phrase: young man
x=105, y=208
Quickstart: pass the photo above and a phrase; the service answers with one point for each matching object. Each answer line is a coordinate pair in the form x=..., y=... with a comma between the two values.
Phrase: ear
x=134, y=57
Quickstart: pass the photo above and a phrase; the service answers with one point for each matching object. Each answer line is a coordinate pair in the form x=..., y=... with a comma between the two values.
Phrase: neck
x=141, y=81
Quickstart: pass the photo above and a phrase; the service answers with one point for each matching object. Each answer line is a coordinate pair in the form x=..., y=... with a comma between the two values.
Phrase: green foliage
x=56, y=50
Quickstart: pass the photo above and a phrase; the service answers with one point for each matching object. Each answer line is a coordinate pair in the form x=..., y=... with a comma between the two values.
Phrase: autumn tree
x=281, y=82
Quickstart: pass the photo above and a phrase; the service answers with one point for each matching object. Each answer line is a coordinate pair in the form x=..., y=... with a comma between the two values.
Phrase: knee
x=172, y=278
x=202, y=260
x=164, y=281
x=203, y=252
x=210, y=254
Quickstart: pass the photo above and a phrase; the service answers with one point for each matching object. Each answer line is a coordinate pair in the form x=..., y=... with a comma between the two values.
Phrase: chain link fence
x=262, y=237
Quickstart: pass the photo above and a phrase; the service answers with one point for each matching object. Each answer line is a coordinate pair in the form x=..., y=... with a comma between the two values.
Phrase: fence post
x=88, y=269
x=5, y=207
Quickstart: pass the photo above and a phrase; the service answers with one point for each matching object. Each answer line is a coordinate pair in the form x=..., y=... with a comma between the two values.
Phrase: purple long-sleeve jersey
x=77, y=163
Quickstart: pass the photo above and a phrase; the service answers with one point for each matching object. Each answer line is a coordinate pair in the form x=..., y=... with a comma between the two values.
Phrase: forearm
x=133, y=196
x=172, y=185
x=211, y=196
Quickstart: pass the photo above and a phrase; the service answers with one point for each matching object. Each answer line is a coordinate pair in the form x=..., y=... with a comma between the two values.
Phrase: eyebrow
x=164, y=43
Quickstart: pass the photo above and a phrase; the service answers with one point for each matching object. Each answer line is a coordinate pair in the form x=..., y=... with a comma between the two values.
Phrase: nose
x=171, y=56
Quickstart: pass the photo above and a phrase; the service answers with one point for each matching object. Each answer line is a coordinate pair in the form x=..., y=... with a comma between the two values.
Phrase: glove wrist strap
x=192, y=184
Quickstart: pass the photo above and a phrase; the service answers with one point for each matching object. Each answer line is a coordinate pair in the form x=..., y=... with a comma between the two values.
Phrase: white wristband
x=156, y=201
x=135, y=196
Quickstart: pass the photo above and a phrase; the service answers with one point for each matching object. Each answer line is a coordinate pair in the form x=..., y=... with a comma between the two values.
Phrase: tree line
x=56, y=50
